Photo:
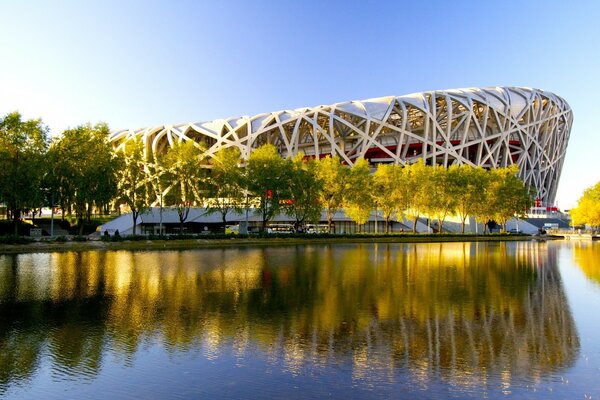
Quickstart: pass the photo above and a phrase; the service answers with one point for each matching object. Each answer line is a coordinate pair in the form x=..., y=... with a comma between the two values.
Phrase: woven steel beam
x=491, y=127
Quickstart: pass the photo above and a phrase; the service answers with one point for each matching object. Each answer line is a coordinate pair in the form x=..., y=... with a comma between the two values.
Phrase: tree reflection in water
x=461, y=312
x=586, y=254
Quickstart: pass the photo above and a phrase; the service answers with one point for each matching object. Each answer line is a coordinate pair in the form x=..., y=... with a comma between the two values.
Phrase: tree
x=84, y=169
x=267, y=181
x=358, y=199
x=510, y=195
x=417, y=190
x=333, y=174
x=23, y=146
x=186, y=171
x=60, y=179
x=484, y=210
x=443, y=193
x=305, y=187
x=470, y=193
x=159, y=184
x=134, y=179
x=588, y=207
x=387, y=193
x=226, y=183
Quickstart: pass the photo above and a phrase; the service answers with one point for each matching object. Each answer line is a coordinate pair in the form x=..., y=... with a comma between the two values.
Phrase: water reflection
x=461, y=312
x=586, y=255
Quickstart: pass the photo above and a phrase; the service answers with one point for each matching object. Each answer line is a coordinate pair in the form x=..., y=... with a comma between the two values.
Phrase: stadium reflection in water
x=461, y=315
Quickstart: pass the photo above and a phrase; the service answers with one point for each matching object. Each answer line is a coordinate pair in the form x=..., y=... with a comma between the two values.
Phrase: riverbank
x=180, y=244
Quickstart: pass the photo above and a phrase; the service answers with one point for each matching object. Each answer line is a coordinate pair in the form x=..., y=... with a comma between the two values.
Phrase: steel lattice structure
x=490, y=127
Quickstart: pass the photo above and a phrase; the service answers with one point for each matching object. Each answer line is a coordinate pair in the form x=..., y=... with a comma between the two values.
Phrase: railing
x=574, y=234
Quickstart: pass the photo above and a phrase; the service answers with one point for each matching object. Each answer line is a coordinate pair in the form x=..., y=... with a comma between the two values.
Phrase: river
x=428, y=320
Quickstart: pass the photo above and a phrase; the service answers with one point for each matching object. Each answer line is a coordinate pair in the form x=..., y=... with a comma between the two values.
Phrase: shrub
x=11, y=239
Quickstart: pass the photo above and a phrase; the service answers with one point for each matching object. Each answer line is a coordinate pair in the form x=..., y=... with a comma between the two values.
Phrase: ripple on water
x=358, y=321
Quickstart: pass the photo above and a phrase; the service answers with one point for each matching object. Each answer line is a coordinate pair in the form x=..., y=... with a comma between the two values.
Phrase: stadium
x=489, y=127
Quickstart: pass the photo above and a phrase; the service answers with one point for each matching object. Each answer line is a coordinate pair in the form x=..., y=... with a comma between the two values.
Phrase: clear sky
x=134, y=64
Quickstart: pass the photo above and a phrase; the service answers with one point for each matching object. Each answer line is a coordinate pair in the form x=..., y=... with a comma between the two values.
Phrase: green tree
x=23, y=146
x=333, y=174
x=470, y=193
x=226, y=183
x=60, y=178
x=443, y=196
x=510, y=195
x=483, y=211
x=267, y=181
x=588, y=207
x=418, y=190
x=358, y=197
x=134, y=179
x=84, y=170
x=158, y=184
x=186, y=170
x=387, y=193
x=305, y=187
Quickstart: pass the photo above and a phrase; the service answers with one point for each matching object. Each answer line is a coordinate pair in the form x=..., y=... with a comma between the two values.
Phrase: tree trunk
x=415, y=224
x=264, y=216
x=462, y=225
x=16, y=214
x=80, y=221
x=134, y=215
x=387, y=224
x=329, y=218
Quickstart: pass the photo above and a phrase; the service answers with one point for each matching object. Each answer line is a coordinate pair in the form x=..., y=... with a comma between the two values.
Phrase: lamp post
x=52, y=215
x=160, y=223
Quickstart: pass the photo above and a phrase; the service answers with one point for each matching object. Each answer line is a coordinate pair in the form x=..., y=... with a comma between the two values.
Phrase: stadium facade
x=489, y=127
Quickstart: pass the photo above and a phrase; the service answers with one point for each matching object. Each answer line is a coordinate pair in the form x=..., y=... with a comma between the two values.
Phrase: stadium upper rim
x=490, y=127
x=417, y=99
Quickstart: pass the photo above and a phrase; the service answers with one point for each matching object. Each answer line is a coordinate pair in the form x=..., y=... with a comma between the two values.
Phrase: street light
x=52, y=215
x=247, y=200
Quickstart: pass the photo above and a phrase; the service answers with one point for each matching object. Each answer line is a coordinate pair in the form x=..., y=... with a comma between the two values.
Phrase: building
x=489, y=127
x=153, y=221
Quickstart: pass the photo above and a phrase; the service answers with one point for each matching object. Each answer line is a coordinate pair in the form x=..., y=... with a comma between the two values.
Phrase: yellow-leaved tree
x=588, y=207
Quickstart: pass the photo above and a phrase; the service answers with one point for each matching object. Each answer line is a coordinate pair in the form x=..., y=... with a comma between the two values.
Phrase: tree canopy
x=135, y=186
x=185, y=169
x=23, y=146
x=588, y=207
x=333, y=174
x=81, y=170
x=267, y=181
x=388, y=182
x=226, y=183
x=358, y=195
x=84, y=170
x=305, y=186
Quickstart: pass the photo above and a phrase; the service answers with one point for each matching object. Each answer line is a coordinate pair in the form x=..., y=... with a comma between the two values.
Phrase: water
x=451, y=320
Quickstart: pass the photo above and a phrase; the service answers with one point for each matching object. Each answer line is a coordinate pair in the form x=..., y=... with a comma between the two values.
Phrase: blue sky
x=135, y=64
